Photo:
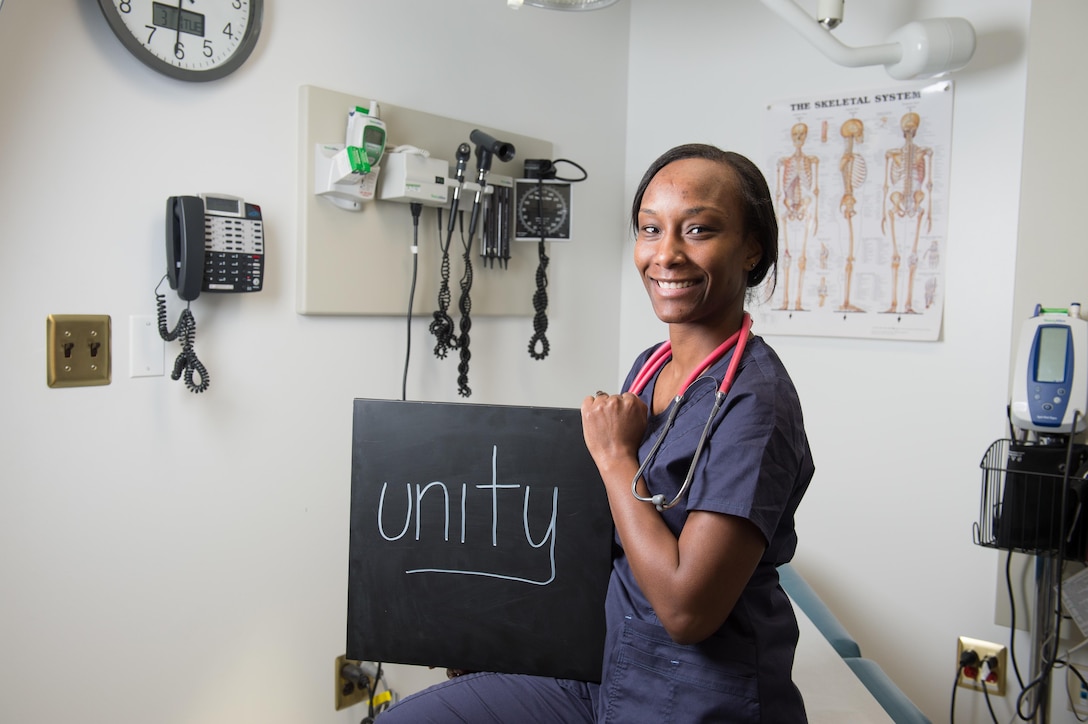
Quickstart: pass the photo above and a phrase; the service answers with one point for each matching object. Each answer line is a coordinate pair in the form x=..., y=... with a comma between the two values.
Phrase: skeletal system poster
x=860, y=185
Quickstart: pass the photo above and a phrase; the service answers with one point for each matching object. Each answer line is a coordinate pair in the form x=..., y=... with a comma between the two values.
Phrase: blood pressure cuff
x=1031, y=516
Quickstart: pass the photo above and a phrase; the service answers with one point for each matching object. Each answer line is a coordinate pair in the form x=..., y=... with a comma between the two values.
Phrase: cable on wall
x=416, y=209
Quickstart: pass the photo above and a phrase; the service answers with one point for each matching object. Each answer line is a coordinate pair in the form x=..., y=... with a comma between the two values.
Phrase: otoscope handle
x=463, y=152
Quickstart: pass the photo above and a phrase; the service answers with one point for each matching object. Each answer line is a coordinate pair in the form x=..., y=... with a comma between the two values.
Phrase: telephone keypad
x=234, y=252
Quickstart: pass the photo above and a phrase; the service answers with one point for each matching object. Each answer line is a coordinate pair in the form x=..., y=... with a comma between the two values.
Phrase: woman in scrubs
x=698, y=628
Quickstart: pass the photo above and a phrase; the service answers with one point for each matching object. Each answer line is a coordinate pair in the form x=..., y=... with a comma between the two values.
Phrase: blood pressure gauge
x=543, y=209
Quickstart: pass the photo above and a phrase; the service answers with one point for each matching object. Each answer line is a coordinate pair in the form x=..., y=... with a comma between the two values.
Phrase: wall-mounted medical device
x=347, y=174
x=411, y=175
x=1050, y=381
x=360, y=263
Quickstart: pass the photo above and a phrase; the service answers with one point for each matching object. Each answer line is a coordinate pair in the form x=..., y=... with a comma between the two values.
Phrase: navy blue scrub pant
x=499, y=698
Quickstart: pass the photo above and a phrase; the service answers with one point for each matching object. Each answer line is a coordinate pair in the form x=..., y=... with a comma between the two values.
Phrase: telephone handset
x=214, y=243
x=185, y=245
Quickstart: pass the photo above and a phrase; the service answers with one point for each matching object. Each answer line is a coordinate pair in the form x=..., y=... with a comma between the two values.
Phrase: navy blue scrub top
x=756, y=464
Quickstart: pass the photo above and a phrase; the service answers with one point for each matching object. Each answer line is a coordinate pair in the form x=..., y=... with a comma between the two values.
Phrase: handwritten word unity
x=455, y=499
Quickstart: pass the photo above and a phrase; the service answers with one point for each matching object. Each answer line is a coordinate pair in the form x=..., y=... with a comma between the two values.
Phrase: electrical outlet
x=348, y=693
x=77, y=350
x=990, y=669
x=1078, y=692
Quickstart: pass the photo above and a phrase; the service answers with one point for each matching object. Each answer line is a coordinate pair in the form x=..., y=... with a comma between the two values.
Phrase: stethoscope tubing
x=653, y=364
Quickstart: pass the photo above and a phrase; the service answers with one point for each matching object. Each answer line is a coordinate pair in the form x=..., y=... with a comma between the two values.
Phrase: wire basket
x=1034, y=499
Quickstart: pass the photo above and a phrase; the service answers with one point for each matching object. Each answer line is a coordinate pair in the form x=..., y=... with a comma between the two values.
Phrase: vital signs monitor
x=1050, y=382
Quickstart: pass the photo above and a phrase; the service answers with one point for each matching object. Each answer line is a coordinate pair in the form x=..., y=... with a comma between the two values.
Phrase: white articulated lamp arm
x=921, y=49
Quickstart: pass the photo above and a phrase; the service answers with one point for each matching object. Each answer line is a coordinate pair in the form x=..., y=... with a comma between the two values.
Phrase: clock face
x=543, y=210
x=194, y=40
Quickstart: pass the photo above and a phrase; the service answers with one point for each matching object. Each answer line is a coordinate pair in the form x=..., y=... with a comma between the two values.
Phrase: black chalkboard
x=480, y=539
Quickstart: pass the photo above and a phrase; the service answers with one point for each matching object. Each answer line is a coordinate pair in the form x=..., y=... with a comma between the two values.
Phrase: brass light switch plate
x=77, y=351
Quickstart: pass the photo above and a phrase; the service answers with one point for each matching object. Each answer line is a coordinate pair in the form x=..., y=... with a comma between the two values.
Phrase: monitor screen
x=1051, y=350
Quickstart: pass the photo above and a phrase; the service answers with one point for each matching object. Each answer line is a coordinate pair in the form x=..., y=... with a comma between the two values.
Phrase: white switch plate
x=147, y=350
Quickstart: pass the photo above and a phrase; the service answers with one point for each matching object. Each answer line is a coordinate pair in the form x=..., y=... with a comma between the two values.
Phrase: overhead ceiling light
x=574, y=5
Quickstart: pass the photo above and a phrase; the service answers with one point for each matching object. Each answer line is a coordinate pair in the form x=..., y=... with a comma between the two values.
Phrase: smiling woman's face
x=691, y=248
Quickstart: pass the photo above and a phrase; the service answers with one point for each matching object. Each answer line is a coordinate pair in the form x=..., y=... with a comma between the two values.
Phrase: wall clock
x=543, y=209
x=193, y=40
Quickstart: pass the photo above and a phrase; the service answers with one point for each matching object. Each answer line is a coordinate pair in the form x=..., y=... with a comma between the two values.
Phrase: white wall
x=187, y=554
x=898, y=428
x=1051, y=257
x=171, y=557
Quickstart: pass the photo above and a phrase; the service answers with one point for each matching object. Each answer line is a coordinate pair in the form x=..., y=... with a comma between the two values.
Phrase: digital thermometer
x=1050, y=382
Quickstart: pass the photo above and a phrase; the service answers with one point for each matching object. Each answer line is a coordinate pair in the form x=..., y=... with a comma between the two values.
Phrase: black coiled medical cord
x=464, y=304
x=540, y=305
x=442, y=326
x=187, y=364
x=540, y=296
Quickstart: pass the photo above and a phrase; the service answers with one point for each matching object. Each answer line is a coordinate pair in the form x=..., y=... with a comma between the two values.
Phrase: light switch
x=77, y=350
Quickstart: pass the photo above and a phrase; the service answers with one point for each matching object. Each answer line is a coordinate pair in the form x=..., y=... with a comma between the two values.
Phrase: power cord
x=416, y=210
x=368, y=676
x=988, y=664
x=372, y=689
x=968, y=659
x=1069, y=694
x=1012, y=619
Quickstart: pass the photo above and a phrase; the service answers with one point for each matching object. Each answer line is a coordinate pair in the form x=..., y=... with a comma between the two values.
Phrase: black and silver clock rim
x=240, y=56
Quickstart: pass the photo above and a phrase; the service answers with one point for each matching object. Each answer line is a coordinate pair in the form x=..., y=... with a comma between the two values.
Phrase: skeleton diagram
x=907, y=170
x=852, y=168
x=797, y=190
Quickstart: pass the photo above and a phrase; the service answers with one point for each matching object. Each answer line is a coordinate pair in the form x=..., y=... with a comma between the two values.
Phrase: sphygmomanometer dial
x=543, y=210
x=194, y=40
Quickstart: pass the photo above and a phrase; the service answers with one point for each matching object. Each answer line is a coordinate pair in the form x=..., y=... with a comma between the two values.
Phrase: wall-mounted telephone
x=214, y=243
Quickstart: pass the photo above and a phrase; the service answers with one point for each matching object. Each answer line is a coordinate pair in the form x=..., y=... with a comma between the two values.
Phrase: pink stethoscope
x=656, y=361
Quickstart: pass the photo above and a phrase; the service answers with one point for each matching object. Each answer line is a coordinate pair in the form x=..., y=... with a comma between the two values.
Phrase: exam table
x=838, y=684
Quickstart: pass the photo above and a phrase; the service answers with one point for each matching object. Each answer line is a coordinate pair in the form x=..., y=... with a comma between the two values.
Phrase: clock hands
x=177, y=32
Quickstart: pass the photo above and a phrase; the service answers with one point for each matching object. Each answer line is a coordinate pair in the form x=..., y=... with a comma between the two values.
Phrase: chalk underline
x=485, y=574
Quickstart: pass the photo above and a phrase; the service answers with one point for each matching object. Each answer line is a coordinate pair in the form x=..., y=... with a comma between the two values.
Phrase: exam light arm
x=921, y=49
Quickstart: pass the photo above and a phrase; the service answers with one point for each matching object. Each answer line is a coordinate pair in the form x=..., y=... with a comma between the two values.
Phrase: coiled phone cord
x=187, y=363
